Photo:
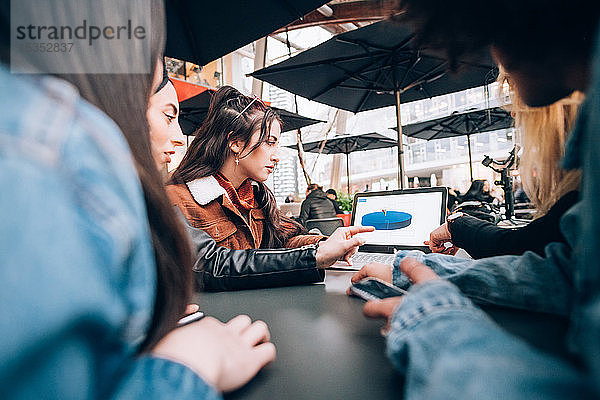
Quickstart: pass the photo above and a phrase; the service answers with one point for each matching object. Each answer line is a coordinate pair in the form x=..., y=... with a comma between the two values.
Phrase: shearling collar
x=204, y=190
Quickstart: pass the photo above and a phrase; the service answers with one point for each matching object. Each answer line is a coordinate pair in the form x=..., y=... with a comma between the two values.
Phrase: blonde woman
x=543, y=133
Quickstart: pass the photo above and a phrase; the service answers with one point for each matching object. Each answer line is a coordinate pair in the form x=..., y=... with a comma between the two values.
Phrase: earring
x=237, y=161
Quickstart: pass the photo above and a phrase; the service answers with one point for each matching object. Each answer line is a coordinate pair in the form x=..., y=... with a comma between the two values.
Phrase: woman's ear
x=235, y=146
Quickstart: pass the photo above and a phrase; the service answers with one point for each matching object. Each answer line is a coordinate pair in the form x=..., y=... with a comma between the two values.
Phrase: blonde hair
x=542, y=132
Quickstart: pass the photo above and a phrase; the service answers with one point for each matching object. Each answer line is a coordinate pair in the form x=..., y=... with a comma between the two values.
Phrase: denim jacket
x=77, y=281
x=448, y=348
x=521, y=282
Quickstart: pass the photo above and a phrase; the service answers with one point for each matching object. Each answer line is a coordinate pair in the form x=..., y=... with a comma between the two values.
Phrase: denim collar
x=574, y=147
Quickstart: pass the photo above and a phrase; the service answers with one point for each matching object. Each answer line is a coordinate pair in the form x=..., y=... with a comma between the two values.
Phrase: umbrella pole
x=400, y=150
x=348, y=172
x=470, y=157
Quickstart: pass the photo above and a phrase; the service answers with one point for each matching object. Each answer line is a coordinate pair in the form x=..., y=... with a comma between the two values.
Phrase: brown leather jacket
x=206, y=206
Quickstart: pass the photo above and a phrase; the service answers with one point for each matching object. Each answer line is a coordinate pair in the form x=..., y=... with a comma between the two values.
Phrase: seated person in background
x=316, y=205
x=332, y=194
x=520, y=194
x=289, y=198
x=552, y=189
x=220, y=268
x=497, y=193
x=219, y=184
x=453, y=196
x=479, y=191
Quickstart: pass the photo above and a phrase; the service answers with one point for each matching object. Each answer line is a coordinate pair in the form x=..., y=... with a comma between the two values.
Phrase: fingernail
x=385, y=331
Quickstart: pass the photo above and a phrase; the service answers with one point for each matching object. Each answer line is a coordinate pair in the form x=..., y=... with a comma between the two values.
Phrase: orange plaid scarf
x=242, y=198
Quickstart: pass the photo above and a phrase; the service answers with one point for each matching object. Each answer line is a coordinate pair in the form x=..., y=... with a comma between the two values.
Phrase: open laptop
x=402, y=219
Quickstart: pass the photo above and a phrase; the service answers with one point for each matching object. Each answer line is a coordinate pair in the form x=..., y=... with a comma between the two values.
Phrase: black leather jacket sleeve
x=483, y=239
x=218, y=268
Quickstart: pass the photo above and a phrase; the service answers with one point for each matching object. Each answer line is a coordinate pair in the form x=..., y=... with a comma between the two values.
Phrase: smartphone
x=374, y=289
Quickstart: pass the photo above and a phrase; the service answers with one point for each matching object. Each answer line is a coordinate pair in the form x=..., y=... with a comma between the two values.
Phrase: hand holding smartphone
x=375, y=289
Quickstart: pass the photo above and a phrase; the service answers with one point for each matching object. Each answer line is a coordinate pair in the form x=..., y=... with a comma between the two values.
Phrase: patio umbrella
x=346, y=144
x=194, y=109
x=202, y=31
x=374, y=67
x=461, y=124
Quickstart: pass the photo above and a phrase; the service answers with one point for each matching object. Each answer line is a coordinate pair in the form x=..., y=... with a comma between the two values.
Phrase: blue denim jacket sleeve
x=157, y=378
x=529, y=282
x=449, y=349
x=77, y=282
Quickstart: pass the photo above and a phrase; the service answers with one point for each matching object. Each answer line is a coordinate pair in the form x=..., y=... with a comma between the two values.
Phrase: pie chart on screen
x=387, y=220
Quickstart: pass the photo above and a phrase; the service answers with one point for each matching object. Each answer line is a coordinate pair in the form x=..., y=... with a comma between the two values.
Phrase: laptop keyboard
x=361, y=259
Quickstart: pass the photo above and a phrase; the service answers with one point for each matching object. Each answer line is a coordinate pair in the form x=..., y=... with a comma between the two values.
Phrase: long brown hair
x=225, y=123
x=124, y=98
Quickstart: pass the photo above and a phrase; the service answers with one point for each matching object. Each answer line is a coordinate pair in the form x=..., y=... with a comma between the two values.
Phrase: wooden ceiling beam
x=347, y=12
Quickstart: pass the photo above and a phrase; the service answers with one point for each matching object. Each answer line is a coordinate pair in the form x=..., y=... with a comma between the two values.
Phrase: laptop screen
x=402, y=218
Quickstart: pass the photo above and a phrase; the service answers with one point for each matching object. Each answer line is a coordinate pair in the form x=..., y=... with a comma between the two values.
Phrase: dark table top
x=326, y=349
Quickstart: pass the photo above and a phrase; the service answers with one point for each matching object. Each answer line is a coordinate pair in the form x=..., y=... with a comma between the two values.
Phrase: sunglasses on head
x=255, y=99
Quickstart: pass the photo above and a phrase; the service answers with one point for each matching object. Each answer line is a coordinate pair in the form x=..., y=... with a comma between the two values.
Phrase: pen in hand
x=188, y=319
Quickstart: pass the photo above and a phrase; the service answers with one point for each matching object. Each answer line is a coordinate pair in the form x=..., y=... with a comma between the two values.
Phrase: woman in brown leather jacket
x=219, y=184
x=219, y=268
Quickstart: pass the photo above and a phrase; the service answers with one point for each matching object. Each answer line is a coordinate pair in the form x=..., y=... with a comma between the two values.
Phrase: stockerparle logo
x=73, y=36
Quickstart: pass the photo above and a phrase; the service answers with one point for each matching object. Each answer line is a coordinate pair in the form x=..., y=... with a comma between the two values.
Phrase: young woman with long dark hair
x=96, y=267
x=219, y=184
